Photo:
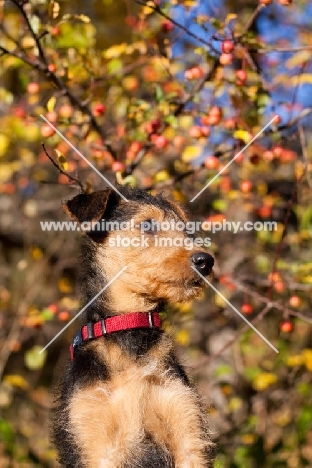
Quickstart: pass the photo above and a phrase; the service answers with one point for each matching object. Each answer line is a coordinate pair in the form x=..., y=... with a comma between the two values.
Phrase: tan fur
x=110, y=419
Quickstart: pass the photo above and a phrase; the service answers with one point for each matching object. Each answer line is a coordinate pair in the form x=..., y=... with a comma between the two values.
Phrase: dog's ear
x=88, y=207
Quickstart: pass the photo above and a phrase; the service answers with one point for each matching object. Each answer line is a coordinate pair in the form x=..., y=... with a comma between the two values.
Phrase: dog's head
x=145, y=234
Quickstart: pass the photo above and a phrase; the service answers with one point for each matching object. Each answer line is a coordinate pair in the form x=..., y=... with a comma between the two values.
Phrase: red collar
x=114, y=324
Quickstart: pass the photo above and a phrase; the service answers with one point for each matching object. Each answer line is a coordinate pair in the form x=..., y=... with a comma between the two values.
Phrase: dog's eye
x=149, y=226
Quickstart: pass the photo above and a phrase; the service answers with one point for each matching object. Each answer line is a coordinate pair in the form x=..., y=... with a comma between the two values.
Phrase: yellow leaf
x=4, y=144
x=219, y=301
x=243, y=135
x=185, y=307
x=299, y=58
x=307, y=279
x=183, y=337
x=235, y=403
x=148, y=8
x=36, y=253
x=161, y=176
x=264, y=380
x=16, y=381
x=307, y=356
x=64, y=285
x=179, y=196
x=293, y=361
x=190, y=153
x=230, y=17
x=248, y=439
x=294, y=80
x=62, y=160
x=84, y=18
x=51, y=103
x=115, y=51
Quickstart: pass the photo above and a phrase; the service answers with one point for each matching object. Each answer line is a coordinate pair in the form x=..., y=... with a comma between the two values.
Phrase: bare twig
x=42, y=66
x=58, y=167
x=305, y=153
x=207, y=359
x=158, y=10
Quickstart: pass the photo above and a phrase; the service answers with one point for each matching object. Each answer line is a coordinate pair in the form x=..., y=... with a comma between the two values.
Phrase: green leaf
x=114, y=66
x=6, y=433
x=35, y=360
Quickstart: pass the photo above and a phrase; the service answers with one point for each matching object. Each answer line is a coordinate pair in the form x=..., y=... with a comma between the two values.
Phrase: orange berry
x=286, y=326
x=63, y=316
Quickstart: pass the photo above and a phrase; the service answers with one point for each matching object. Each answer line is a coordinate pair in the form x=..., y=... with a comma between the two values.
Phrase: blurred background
x=163, y=95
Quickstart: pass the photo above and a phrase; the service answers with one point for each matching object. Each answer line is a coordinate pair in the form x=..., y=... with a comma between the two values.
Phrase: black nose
x=203, y=262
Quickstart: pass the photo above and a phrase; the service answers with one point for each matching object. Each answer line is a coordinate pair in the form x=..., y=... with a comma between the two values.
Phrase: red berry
x=214, y=116
x=246, y=186
x=19, y=112
x=55, y=31
x=226, y=59
x=229, y=123
x=247, y=308
x=278, y=151
x=268, y=155
x=265, y=211
x=118, y=166
x=153, y=126
x=53, y=308
x=160, y=141
x=52, y=67
x=227, y=46
x=51, y=116
x=254, y=159
x=197, y=73
x=286, y=326
x=205, y=131
x=65, y=111
x=195, y=131
x=98, y=109
x=63, y=316
x=47, y=131
x=188, y=74
x=279, y=286
x=294, y=301
x=33, y=88
x=212, y=162
x=241, y=77
x=277, y=120
x=167, y=26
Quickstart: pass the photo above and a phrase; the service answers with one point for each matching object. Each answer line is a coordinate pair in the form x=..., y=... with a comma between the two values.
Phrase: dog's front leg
x=180, y=424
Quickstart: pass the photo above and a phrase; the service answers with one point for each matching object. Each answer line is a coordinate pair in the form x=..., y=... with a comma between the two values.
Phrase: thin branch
x=58, y=167
x=42, y=66
x=251, y=21
x=20, y=6
x=207, y=359
x=158, y=10
x=280, y=49
x=304, y=149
